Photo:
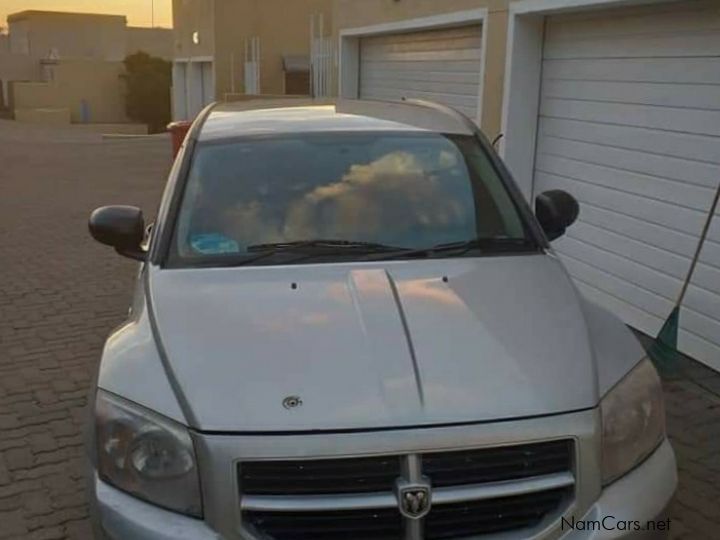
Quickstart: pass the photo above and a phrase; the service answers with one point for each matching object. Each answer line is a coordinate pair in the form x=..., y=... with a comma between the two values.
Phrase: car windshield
x=315, y=192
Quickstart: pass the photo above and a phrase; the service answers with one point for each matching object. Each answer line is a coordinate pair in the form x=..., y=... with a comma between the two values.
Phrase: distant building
x=43, y=34
x=249, y=47
x=66, y=67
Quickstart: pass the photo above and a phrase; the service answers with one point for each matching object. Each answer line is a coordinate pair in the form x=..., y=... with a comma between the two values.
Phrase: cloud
x=392, y=194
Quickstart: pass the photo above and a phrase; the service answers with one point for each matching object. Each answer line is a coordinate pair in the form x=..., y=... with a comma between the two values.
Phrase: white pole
x=232, y=72
x=312, y=55
x=259, y=87
x=322, y=52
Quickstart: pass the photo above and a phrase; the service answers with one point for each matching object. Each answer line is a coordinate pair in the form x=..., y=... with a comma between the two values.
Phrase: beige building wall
x=353, y=14
x=47, y=117
x=154, y=41
x=95, y=83
x=71, y=35
x=190, y=17
x=15, y=67
x=283, y=28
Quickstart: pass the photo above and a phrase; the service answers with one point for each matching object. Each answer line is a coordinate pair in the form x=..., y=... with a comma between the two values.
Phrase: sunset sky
x=138, y=12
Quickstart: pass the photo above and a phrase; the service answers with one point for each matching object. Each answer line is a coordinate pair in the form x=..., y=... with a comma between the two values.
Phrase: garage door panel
x=373, y=49
x=673, y=265
x=631, y=272
x=705, y=304
x=442, y=34
x=662, y=166
x=707, y=277
x=439, y=65
x=637, y=318
x=417, y=69
x=656, y=212
x=653, y=187
x=703, y=43
x=641, y=286
x=638, y=297
x=418, y=56
x=452, y=88
x=391, y=93
x=381, y=73
x=699, y=325
x=688, y=146
x=693, y=17
x=660, y=118
x=663, y=70
x=650, y=302
x=662, y=95
x=676, y=242
x=705, y=351
x=711, y=252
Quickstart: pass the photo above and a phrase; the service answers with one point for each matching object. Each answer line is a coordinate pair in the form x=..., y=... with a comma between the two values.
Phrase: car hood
x=373, y=345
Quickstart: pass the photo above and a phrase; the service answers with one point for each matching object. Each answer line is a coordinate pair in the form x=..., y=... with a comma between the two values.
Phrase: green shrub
x=148, y=80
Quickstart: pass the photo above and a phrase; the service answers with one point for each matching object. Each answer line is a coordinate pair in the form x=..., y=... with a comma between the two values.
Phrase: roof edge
x=23, y=15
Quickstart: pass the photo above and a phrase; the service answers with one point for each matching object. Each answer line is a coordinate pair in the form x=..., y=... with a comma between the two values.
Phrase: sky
x=138, y=12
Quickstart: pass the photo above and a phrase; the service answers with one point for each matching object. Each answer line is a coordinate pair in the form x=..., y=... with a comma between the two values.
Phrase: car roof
x=258, y=117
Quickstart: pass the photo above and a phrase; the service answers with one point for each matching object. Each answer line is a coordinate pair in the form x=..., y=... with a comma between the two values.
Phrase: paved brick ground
x=61, y=293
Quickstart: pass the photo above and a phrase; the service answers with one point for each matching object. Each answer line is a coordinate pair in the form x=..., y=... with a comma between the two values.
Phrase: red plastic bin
x=178, y=131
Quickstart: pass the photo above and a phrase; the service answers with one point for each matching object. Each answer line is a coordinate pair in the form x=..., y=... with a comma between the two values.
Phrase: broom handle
x=703, y=236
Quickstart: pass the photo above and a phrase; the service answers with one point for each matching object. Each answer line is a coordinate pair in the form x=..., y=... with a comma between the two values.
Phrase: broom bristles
x=664, y=352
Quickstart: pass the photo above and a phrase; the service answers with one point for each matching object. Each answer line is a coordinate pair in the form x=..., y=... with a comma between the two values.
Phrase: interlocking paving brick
x=61, y=294
x=4, y=472
x=13, y=524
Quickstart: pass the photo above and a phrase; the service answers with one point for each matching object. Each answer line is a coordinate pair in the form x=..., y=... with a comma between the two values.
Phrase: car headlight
x=147, y=455
x=633, y=421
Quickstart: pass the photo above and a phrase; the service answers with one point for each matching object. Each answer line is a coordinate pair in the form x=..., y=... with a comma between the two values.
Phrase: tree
x=148, y=80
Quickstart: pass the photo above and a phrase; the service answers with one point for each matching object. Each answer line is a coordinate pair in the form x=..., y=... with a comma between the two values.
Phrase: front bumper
x=626, y=507
x=641, y=496
x=119, y=516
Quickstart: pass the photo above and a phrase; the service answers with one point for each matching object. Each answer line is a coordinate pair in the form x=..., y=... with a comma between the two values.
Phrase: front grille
x=472, y=518
x=497, y=464
x=474, y=492
x=382, y=524
x=319, y=477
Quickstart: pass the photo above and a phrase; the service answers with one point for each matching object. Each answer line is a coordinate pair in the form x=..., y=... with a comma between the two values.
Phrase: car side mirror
x=121, y=227
x=556, y=210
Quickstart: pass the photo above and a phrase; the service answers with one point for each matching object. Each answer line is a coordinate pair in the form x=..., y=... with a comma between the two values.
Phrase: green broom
x=664, y=352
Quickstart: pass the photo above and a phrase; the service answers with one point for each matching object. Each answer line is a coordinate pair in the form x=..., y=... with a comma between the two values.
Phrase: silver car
x=348, y=324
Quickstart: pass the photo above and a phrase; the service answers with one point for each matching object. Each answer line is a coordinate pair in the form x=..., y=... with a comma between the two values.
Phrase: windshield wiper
x=484, y=245
x=327, y=247
x=322, y=243
x=370, y=251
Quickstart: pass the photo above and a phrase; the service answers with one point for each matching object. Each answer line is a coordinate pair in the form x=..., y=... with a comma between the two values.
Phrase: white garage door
x=630, y=124
x=439, y=65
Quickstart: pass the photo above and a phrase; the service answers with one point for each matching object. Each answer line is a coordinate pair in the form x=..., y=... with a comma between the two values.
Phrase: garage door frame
x=349, y=57
x=523, y=74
